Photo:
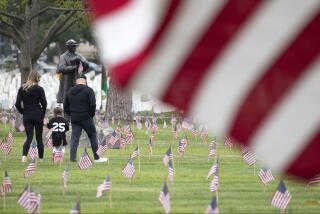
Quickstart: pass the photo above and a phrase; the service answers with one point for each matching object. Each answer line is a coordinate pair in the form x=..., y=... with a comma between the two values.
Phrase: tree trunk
x=25, y=63
x=119, y=103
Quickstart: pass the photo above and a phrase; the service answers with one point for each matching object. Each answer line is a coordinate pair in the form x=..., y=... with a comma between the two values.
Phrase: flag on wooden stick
x=129, y=170
x=104, y=187
x=6, y=186
x=282, y=197
x=265, y=175
x=214, y=168
x=33, y=151
x=167, y=157
x=31, y=168
x=85, y=161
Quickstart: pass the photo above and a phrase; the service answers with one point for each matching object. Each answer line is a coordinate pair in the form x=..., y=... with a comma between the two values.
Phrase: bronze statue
x=69, y=67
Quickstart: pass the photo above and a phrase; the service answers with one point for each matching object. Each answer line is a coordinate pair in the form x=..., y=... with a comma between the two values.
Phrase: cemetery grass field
x=240, y=191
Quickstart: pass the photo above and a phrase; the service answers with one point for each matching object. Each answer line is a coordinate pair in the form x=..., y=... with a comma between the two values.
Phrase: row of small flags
x=280, y=199
x=32, y=202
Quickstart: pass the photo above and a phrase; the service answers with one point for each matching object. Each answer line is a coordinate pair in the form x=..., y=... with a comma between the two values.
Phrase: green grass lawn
x=240, y=191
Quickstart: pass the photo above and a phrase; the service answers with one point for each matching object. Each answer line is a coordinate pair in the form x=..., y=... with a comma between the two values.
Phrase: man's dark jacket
x=80, y=103
x=69, y=70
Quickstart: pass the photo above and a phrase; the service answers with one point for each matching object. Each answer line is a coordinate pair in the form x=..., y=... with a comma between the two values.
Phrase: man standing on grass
x=80, y=104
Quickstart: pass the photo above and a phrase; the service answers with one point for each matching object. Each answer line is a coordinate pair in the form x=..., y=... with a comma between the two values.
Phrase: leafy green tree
x=33, y=24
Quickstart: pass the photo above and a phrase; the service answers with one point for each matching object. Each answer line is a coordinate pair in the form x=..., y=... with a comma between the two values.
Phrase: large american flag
x=6, y=186
x=31, y=168
x=164, y=198
x=85, y=161
x=236, y=54
x=104, y=187
x=265, y=175
x=212, y=207
x=33, y=151
x=282, y=197
x=168, y=156
x=129, y=170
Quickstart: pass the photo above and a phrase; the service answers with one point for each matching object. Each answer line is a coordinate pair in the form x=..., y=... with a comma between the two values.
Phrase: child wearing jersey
x=59, y=127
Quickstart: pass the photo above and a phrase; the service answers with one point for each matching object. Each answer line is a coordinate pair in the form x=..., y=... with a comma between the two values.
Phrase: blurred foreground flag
x=249, y=69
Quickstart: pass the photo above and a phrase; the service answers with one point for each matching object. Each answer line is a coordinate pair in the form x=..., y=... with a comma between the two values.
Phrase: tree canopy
x=33, y=24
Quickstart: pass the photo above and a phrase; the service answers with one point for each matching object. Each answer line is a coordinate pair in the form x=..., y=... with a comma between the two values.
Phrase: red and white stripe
x=281, y=200
x=32, y=202
x=214, y=185
x=101, y=149
x=170, y=173
x=31, y=168
x=249, y=158
x=85, y=161
x=229, y=142
x=6, y=185
x=9, y=137
x=57, y=156
x=258, y=60
x=266, y=176
x=213, y=169
x=33, y=151
x=23, y=198
x=5, y=147
x=104, y=187
x=128, y=170
x=49, y=143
